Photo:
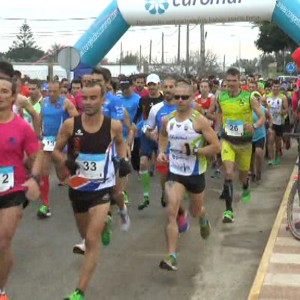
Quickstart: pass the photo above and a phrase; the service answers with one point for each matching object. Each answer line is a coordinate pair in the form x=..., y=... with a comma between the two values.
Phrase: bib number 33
x=91, y=165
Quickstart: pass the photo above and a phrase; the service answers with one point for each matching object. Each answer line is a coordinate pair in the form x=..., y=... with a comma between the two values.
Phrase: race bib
x=91, y=166
x=234, y=128
x=49, y=143
x=6, y=178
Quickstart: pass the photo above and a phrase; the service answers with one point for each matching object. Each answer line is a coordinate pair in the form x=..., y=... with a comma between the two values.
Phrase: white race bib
x=49, y=143
x=6, y=178
x=91, y=165
x=234, y=128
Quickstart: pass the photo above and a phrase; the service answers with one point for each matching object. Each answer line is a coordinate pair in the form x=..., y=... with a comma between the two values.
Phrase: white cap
x=153, y=78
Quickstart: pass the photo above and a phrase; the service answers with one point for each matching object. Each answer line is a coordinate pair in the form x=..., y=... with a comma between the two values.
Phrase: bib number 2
x=6, y=178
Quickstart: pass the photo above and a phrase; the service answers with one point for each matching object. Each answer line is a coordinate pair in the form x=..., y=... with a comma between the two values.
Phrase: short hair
x=170, y=77
x=6, y=68
x=17, y=74
x=233, y=72
x=139, y=76
x=36, y=82
x=275, y=82
x=91, y=84
x=185, y=84
x=13, y=82
x=77, y=81
x=104, y=72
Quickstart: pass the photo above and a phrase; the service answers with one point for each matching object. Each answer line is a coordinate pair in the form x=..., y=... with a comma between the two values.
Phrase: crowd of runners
x=96, y=131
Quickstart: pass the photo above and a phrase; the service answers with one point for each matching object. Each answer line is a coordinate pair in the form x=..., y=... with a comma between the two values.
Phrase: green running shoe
x=169, y=263
x=43, y=212
x=126, y=198
x=276, y=161
x=246, y=195
x=145, y=202
x=204, y=228
x=76, y=295
x=107, y=231
x=228, y=216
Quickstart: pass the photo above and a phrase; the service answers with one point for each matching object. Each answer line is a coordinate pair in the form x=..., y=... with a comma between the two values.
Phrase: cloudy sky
x=51, y=22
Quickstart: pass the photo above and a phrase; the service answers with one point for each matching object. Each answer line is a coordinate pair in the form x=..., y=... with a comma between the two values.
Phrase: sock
x=146, y=182
x=229, y=194
x=45, y=187
x=173, y=254
x=203, y=220
x=2, y=291
x=79, y=291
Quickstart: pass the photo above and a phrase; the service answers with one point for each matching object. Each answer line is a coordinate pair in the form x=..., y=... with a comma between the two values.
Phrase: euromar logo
x=157, y=6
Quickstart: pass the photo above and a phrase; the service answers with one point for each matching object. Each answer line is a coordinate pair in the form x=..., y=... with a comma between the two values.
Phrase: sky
x=222, y=39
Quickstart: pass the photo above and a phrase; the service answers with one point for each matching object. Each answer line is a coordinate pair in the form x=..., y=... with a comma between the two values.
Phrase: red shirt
x=143, y=93
x=17, y=137
x=78, y=102
x=24, y=90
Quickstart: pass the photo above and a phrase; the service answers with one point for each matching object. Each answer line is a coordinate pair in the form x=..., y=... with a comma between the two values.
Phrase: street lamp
x=240, y=50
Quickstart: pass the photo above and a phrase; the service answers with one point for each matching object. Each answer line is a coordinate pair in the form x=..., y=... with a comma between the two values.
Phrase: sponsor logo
x=157, y=6
x=79, y=132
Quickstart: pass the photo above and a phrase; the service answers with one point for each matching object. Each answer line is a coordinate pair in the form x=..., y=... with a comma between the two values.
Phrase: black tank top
x=89, y=143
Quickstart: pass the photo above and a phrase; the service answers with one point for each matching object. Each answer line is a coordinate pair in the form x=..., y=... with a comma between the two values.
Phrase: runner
x=91, y=138
x=235, y=113
x=278, y=106
x=148, y=146
x=55, y=109
x=187, y=132
x=16, y=139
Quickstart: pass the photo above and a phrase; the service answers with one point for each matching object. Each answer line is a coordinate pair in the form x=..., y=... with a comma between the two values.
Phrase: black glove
x=124, y=167
x=72, y=166
x=188, y=151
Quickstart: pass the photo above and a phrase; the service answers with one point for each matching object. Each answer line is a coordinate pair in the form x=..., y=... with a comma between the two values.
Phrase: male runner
x=17, y=138
x=186, y=131
x=55, y=109
x=91, y=138
x=235, y=113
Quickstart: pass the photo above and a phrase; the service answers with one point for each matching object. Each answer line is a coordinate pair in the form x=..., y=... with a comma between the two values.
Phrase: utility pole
x=150, y=54
x=178, y=54
x=162, y=49
x=187, y=66
x=140, y=60
x=121, y=57
x=202, y=45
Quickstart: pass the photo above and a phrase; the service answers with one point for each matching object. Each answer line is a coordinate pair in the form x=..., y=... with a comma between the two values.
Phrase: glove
x=72, y=166
x=188, y=151
x=124, y=167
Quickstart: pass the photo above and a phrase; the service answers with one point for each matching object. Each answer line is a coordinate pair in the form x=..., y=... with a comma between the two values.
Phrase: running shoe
x=228, y=216
x=76, y=295
x=107, y=231
x=3, y=296
x=204, y=228
x=276, y=161
x=145, y=202
x=169, y=263
x=216, y=174
x=79, y=248
x=126, y=198
x=246, y=195
x=163, y=201
x=183, y=223
x=125, y=220
x=44, y=212
x=271, y=162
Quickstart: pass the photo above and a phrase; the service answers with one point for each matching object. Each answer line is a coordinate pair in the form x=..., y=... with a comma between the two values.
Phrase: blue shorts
x=148, y=146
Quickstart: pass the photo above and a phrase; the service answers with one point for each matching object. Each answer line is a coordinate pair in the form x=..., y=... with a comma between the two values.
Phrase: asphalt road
x=222, y=267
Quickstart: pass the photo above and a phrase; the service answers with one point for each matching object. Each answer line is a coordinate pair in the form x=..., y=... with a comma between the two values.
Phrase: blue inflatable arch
x=119, y=15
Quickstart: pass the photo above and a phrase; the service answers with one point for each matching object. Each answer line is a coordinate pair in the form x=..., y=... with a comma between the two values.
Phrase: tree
x=53, y=51
x=249, y=65
x=272, y=39
x=24, y=48
x=130, y=59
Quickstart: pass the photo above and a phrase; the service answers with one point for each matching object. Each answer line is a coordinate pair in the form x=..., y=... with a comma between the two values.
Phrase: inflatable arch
x=119, y=15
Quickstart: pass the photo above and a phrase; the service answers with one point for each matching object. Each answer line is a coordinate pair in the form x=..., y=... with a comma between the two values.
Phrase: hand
x=72, y=166
x=162, y=158
x=124, y=167
x=249, y=127
x=33, y=190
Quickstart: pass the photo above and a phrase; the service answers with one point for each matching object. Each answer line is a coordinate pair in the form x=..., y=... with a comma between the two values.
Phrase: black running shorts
x=194, y=183
x=83, y=201
x=13, y=199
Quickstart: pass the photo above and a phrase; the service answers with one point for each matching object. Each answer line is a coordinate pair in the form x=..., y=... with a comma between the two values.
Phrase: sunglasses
x=182, y=97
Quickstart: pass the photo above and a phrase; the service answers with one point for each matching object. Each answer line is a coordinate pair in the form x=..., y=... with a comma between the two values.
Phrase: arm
x=285, y=106
x=211, y=114
x=117, y=136
x=201, y=124
x=163, y=142
x=219, y=118
x=269, y=118
x=256, y=107
x=25, y=104
x=70, y=108
x=59, y=159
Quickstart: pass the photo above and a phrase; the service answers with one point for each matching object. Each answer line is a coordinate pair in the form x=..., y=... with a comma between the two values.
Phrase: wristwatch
x=195, y=150
x=254, y=125
x=35, y=178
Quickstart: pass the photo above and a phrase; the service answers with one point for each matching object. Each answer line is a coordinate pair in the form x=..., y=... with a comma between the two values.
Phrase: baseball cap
x=153, y=78
x=45, y=86
x=125, y=82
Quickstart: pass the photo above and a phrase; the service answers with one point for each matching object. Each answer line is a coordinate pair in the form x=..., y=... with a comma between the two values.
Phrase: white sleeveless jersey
x=275, y=108
x=180, y=134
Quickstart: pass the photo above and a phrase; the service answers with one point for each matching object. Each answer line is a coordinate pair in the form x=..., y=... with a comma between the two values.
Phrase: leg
x=9, y=220
x=271, y=141
x=96, y=220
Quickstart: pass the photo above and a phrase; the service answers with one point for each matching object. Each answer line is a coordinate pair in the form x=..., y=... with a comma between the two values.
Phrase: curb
x=265, y=260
